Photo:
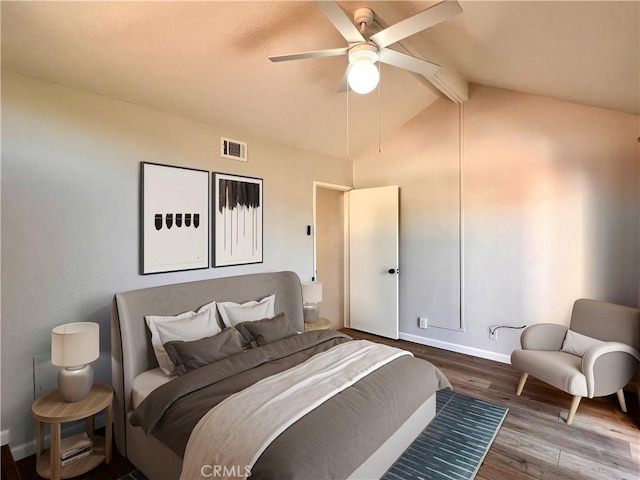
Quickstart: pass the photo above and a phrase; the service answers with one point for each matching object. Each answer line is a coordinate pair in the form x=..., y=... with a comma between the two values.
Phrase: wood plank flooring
x=534, y=442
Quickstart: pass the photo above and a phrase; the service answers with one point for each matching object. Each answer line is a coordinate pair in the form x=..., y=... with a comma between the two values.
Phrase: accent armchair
x=595, y=356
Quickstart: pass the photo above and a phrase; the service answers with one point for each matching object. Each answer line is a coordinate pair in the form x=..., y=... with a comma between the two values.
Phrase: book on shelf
x=74, y=444
x=77, y=456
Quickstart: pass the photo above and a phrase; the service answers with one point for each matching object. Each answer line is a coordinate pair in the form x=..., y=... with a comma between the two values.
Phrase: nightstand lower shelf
x=83, y=465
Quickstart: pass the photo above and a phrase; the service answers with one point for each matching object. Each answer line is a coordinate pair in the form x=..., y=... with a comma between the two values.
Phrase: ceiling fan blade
x=340, y=20
x=408, y=62
x=316, y=54
x=418, y=22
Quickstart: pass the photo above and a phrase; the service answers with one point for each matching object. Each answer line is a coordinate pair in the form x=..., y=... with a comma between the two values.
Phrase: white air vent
x=233, y=149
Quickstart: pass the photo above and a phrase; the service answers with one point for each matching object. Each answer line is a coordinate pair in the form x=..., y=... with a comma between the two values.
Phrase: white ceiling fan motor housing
x=361, y=50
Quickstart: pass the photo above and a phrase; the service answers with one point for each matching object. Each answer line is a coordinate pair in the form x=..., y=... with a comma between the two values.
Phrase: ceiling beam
x=452, y=84
x=449, y=81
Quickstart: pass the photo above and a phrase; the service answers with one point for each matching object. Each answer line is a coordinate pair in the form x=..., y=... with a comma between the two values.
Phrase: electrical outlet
x=493, y=333
x=422, y=322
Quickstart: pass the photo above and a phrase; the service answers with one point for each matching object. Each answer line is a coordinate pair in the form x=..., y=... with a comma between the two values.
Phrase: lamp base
x=75, y=384
x=310, y=312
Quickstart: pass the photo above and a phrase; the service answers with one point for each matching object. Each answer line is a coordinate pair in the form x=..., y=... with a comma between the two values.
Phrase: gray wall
x=550, y=208
x=70, y=198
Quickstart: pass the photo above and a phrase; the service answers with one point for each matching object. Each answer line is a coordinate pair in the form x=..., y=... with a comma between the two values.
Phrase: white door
x=373, y=260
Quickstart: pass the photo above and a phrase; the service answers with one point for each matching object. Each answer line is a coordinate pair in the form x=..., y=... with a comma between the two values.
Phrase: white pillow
x=234, y=313
x=577, y=344
x=186, y=326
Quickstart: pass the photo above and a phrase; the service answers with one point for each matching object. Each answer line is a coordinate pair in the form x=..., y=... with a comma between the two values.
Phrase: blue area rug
x=455, y=442
x=451, y=447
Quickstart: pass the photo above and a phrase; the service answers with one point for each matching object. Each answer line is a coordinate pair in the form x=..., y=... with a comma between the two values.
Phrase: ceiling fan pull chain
x=348, y=119
x=379, y=108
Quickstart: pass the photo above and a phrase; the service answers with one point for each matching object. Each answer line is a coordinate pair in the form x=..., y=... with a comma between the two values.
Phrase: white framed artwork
x=238, y=204
x=175, y=218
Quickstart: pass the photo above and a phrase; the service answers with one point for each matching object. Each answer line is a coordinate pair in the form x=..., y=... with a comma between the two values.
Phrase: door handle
x=391, y=271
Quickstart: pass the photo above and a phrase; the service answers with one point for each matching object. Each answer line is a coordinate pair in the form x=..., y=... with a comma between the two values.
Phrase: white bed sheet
x=147, y=382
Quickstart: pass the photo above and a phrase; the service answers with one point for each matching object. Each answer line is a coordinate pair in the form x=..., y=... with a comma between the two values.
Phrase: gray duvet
x=331, y=441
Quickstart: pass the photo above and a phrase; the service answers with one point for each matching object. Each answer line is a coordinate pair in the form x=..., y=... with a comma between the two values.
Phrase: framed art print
x=175, y=218
x=237, y=220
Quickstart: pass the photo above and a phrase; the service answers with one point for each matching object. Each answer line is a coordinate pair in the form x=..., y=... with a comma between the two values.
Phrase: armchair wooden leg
x=574, y=406
x=523, y=380
x=623, y=404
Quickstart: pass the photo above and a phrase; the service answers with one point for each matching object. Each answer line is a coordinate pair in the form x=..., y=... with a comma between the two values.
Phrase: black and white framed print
x=237, y=220
x=175, y=218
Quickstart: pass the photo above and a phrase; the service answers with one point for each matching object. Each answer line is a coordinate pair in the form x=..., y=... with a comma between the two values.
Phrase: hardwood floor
x=533, y=443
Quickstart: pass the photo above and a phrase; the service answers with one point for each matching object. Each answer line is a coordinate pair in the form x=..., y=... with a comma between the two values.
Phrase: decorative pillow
x=234, y=313
x=270, y=330
x=247, y=339
x=577, y=344
x=188, y=356
x=186, y=326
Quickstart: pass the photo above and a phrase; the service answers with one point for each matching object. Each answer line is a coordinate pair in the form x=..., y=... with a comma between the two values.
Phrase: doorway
x=330, y=251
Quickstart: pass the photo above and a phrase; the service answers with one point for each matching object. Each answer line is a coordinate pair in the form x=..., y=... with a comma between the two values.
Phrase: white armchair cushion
x=577, y=344
x=560, y=369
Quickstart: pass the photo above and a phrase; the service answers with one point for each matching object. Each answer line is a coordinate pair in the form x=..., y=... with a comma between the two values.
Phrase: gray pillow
x=247, y=339
x=188, y=356
x=269, y=330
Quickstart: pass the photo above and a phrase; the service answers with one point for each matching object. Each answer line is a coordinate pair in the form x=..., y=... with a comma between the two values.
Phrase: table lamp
x=311, y=295
x=73, y=347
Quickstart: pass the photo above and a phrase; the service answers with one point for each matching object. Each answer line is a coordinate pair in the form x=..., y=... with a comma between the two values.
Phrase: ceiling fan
x=362, y=73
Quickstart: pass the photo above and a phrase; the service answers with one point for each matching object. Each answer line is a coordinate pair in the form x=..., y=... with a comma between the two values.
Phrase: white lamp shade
x=311, y=292
x=75, y=344
x=363, y=76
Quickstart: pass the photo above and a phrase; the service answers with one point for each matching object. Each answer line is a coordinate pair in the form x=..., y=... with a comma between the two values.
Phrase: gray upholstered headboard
x=131, y=352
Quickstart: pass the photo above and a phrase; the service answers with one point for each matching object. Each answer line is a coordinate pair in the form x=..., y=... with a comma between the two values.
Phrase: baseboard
x=5, y=437
x=23, y=450
x=454, y=347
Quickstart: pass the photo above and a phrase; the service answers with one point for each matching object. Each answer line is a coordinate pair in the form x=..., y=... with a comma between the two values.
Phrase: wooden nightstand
x=320, y=324
x=52, y=409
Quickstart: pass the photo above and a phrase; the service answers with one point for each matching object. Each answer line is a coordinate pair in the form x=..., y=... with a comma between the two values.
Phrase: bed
x=157, y=418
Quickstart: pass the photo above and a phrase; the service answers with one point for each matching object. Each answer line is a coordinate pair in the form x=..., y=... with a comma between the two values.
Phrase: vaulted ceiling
x=209, y=60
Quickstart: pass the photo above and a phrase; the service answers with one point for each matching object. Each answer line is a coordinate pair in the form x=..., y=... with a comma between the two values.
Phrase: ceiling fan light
x=363, y=75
